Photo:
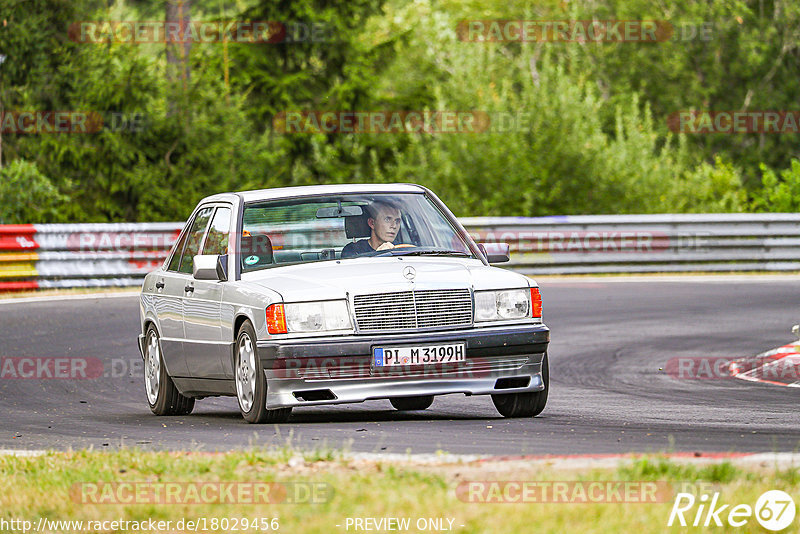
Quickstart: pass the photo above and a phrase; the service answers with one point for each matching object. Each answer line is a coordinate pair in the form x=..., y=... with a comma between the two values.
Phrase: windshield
x=333, y=227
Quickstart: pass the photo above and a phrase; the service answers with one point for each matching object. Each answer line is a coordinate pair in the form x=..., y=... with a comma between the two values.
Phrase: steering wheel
x=404, y=245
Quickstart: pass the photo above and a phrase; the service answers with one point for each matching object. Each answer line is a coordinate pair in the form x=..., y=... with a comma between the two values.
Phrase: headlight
x=502, y=305
x=318, y=316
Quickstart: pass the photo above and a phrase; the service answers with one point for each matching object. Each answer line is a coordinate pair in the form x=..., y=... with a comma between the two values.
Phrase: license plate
x=419, y=355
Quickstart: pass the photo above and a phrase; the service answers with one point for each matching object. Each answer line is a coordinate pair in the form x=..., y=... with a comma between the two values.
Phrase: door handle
x=160, y=284
x=189, y=288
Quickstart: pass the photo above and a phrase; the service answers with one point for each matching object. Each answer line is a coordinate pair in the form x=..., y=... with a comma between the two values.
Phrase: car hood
x=340, y=279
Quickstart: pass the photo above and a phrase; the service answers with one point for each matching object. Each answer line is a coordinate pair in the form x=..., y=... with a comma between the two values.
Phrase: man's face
x=386, y=224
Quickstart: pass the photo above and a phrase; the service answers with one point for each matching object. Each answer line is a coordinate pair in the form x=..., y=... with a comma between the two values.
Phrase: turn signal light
x=276, y=319
x=536, y=302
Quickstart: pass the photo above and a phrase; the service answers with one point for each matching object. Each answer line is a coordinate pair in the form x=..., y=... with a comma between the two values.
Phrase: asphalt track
x=609, y=340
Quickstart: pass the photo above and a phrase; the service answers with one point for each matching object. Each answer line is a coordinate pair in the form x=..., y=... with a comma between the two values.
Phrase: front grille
x=410, y=310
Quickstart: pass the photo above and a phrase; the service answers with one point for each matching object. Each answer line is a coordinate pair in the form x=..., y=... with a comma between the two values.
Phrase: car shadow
x=306, y=416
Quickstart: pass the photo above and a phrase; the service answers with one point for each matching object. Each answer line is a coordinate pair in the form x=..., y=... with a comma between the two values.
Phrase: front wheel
x=524, y=404
x=162, y=395
x=251, y=384
x=412, y=403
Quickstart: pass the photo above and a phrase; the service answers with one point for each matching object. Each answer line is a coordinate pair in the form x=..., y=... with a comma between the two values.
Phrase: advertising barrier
x=36, y=256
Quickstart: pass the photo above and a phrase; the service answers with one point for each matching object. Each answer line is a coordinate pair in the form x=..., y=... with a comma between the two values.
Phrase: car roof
x=309, y=190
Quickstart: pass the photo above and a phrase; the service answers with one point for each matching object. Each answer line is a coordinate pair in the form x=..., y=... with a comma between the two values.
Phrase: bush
x=28, y=196
x=554, y=155
x=707, y=189
x=780, y=195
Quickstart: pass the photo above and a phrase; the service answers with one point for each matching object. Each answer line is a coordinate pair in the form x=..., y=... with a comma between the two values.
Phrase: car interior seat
x=356, y=227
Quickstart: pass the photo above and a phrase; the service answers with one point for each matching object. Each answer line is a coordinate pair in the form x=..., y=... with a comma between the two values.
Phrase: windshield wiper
x=428, y=252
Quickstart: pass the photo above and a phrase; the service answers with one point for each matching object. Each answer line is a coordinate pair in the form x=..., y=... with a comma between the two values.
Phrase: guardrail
x=94, y=255
x=81, y=255
x=645, y=243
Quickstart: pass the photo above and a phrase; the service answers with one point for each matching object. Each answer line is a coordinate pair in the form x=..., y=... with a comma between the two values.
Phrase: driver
x=384, y=221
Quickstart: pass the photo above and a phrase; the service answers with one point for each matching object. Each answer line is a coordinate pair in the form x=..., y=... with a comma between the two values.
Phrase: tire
x=251, y=384
x=412, y=403
x=524, y=404
x=162, y=395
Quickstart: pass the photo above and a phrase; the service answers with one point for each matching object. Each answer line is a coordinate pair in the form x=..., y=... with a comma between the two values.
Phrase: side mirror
x=495, y=252
x=210, y=267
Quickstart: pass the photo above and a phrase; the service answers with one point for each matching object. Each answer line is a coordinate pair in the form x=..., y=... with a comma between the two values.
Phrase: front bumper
x=505, y=359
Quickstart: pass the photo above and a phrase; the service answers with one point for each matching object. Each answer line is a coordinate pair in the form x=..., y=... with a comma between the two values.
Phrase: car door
x=203, y=348
x=169, y=290
x=180, y=282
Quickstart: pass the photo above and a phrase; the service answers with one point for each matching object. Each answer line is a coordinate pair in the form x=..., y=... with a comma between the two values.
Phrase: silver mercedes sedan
x=315, y=295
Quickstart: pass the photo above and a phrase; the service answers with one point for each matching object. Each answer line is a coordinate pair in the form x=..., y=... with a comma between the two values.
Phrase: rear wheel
x=524, y=404
x=412, y=403
x=251, y=384
x=162, y=395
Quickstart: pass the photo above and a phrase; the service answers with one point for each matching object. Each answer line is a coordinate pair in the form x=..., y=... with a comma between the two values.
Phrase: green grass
x=664, y=469
x=46, y=486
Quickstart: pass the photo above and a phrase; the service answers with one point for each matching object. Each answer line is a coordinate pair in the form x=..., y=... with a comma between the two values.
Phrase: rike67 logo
x=774, y=510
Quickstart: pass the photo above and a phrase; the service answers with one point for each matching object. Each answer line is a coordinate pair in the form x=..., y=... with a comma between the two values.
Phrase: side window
x=193, y=241
x=217, y=239
x=176, y=257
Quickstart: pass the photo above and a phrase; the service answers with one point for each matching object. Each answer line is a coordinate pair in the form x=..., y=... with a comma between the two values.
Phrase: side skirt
x=201, y=387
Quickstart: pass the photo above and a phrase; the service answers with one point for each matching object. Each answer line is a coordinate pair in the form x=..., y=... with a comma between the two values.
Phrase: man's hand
x=385, y=246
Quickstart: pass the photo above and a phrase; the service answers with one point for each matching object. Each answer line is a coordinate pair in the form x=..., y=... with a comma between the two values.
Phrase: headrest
x=356, y=226
x=256, y=249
